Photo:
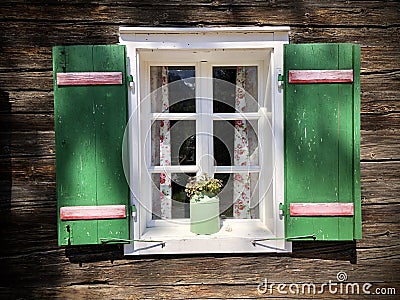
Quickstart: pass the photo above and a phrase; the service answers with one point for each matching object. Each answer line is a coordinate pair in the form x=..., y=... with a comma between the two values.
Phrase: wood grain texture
x=89, y=78
x=92, y=212
x=31, y=264
x=321, y=209
x=320, y=76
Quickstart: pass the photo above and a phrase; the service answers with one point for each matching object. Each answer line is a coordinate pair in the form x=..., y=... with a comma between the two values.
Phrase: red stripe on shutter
x=89, y=78
x=92, y=212
x=321, y=209
x=320, y=76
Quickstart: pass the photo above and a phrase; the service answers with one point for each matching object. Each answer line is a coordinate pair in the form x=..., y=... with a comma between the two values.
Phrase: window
x=278, y=123
x=191, y=119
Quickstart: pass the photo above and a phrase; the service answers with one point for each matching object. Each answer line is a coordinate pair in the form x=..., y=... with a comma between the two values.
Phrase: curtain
x=165, y=152
x=245, y=143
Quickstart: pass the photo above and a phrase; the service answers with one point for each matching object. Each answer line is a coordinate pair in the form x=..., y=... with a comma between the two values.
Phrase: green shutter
x=90, y=120
x=322, y=124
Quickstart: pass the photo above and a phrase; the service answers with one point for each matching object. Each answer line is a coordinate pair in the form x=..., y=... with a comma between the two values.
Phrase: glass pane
x=173, y=143
x=239, y=197
x=173, y=89
x=169, y=199
x=236, y=143
x=235, y=89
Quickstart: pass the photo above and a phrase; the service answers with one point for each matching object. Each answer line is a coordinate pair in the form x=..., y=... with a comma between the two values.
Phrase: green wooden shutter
x=322, y=124
x=90, y=116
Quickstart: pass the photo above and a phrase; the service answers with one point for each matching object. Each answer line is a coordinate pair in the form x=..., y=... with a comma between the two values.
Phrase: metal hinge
x=281, y=81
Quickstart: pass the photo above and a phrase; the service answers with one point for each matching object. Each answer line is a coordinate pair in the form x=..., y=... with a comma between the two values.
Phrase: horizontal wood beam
x=92, y=212
x=321, y=209
x=89, y=78
x=320, y=76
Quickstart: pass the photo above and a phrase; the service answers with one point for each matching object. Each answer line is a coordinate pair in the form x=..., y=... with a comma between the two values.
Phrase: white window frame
x=242, y=234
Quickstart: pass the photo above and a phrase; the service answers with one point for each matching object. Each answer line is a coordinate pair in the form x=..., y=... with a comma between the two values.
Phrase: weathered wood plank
x=89, y=78
x=92, y=212
x=365, y=36
x=211, y=12
x=17, y=101
x=380, y=144
x=380, y=182
x=28, y=81
x=73, y=33
x=197, y=291
x=320, y=76
x=51, y=268
x=321, y=209
x=381, y=58
x=379, y=91
x=31, y=143
x=26, y=122
x=375, y=145
x=40, y=169
x=373, y=122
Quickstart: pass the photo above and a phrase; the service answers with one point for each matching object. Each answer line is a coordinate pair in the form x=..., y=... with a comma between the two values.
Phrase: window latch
x=131, y=83
x=281, y=81
x=133, y=212
x=281, y=210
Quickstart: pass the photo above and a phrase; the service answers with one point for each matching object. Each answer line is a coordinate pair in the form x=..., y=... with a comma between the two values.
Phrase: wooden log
x=366, y=13
x=48, y=268
x=378, y=89
x=74, y=33
x=380, y=182
x=380, y=58
x=380, y=144
x=373, y=122
x=30, y=143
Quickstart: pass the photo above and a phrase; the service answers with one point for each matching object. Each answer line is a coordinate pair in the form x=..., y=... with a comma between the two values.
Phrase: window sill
x=235, y=236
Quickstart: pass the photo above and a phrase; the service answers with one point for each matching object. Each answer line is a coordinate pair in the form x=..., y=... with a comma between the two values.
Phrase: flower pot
x=204, y=215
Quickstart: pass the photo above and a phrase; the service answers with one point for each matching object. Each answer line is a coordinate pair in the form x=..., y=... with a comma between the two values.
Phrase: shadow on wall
x=338, y=251
x=5, y=155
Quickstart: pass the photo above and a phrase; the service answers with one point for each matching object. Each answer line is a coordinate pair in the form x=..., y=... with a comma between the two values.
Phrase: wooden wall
x=31, y=263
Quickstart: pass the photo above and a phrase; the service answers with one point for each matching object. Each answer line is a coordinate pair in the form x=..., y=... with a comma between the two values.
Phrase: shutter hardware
x=281, y=81
x=113, y=240
x=300, y=237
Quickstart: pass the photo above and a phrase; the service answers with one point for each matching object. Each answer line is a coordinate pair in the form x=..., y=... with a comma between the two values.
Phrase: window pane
x=173, y=89
x=239, y=196
x=235, y=89
x=173, y=143
x=169, y=199
x=236, y=143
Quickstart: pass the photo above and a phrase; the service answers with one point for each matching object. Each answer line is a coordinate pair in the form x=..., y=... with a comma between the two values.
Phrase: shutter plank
x=85, y=142
x=93, y=212
x=89, y=78
x=320, y=76
x=75, y=146
x=111, y=120
x=321, y=209
x=345, y=172
x=319, y=140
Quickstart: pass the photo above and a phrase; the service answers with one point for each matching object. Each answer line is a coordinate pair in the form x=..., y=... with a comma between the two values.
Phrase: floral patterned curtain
x=165, y=151
x=241, y=185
